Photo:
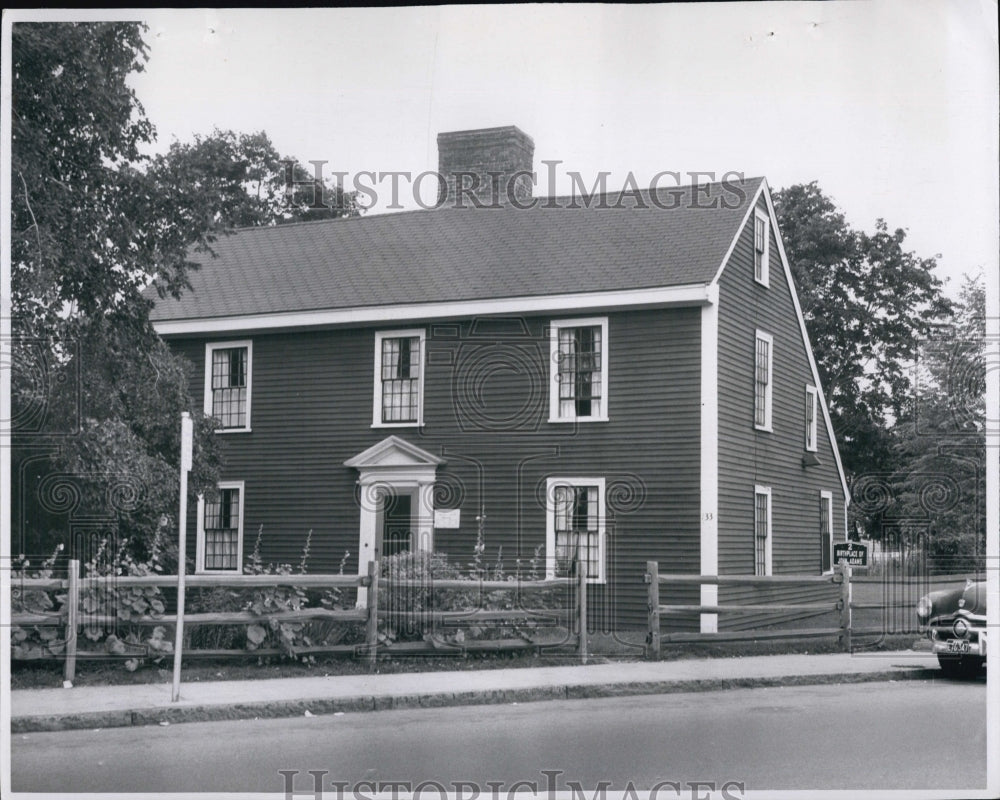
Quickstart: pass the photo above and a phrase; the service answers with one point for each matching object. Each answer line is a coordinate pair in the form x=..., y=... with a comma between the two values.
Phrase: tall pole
x=187, y=436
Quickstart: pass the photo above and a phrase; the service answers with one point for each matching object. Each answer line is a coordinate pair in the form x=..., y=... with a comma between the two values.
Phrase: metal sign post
x=187, y=437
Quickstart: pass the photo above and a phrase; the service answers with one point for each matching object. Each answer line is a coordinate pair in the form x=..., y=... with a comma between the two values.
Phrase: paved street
x=911, y=734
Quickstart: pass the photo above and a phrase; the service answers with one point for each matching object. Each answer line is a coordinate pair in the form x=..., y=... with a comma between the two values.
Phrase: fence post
x=581, y=599
x=371, y=633
x=844, y=571
x=72, y=614
x=652, y=579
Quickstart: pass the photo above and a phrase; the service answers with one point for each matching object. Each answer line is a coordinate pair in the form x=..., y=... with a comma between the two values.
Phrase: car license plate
x=958, y=646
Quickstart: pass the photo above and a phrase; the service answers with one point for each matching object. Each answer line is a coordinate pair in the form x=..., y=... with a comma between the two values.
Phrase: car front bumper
x=972, y=645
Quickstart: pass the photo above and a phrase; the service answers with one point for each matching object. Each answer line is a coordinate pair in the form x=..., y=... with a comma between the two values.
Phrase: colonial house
x=599, y=383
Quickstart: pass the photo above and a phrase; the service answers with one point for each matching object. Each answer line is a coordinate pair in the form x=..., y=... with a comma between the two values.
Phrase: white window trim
x=829, y=497
x=550, y=525
x=765, y=257
x=554, y=328
x=768, y=542
x=200, y=540
x=377, y=422
x=210, y=347
x=812, y=432
x=759, y=335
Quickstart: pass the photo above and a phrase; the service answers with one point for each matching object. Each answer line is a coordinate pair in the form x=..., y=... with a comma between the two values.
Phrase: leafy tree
x=867, y=302
x=124, y=456
x=87, y=238
x=226, y=180
x=76, y=132
x=94, y=220
x=942, y=444
x=95, y=223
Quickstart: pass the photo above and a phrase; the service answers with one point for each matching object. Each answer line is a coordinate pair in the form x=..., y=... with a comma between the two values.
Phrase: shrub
x=36, y=641
x=267, y=601
x=421, y=598
x=124, y=604
x=107, y=612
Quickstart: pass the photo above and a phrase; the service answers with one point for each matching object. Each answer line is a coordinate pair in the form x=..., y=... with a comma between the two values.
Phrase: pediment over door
x=393, y=452
x=396, y=466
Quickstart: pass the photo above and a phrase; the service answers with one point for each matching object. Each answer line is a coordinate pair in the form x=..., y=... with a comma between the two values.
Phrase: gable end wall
x=748, y=456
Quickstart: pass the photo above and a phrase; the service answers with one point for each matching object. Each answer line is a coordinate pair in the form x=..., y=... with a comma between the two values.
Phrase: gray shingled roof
x=464, y=254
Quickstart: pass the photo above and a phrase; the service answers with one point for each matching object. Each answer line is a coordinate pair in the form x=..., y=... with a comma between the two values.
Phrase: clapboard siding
x=486, y=413
x=747, y=456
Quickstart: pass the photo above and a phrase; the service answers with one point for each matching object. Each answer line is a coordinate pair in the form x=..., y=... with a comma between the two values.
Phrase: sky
x=890, y=106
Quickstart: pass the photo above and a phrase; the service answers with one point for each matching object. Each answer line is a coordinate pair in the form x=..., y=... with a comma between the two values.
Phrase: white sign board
x=447, y=517
x=187, y=441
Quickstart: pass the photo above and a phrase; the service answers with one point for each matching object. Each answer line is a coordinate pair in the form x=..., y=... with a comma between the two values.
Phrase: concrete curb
x=269, y=709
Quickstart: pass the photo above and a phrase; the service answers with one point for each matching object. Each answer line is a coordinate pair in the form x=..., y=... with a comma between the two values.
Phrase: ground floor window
x=575, y=527
x=825, y=531
x=762, y=530
x=220, y=530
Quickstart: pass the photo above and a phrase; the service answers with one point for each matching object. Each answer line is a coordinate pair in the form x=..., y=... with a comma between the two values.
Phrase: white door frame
x=393, y=466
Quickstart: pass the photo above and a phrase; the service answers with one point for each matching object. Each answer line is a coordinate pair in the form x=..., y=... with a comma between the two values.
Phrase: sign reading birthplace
x=446, y=517
x=851, y=553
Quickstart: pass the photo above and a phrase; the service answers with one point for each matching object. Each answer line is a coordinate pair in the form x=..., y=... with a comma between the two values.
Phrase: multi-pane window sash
x=401, y=379
x=580, y=378
x=761, y=501
x=577, y=529
x=759, y=247
x=222, y=531
x=825, y=533
x=229, y=386
x=810, y=418
x=762, y=376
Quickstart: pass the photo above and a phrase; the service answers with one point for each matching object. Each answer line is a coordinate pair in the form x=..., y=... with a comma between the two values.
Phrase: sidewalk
x=148, y=704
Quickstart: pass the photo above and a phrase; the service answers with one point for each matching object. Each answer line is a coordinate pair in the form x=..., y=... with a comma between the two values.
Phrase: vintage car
x=955, y=622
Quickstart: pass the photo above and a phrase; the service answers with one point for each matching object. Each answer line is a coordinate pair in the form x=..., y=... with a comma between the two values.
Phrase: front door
x=397, y=524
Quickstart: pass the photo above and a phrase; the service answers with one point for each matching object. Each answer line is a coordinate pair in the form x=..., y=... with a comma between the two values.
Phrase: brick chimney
x=485, y=163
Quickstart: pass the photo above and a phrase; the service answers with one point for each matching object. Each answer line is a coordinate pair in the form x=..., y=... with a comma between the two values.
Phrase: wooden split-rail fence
x=368, y=613
x=894, y=597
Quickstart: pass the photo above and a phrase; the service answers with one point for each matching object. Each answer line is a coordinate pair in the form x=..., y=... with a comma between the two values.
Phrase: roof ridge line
x=549, y=198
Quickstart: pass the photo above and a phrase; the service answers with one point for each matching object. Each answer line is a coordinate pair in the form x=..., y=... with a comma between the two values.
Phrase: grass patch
x=48, y=674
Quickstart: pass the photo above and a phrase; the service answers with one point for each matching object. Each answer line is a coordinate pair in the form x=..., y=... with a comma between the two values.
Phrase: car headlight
x=924, y=608
x=961, y=628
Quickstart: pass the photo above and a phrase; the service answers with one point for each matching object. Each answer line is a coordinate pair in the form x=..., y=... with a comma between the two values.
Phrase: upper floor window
x=228, y=368
x=764, y=344
x=579, y=359
x=825, y=531
x=220, y=530
x=762, y=530
x=761, y=246
x=399, y=385
x=575, y=529
x=811, y=406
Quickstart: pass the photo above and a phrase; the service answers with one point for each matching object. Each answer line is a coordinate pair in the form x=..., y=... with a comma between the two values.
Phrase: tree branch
x=34, y=222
